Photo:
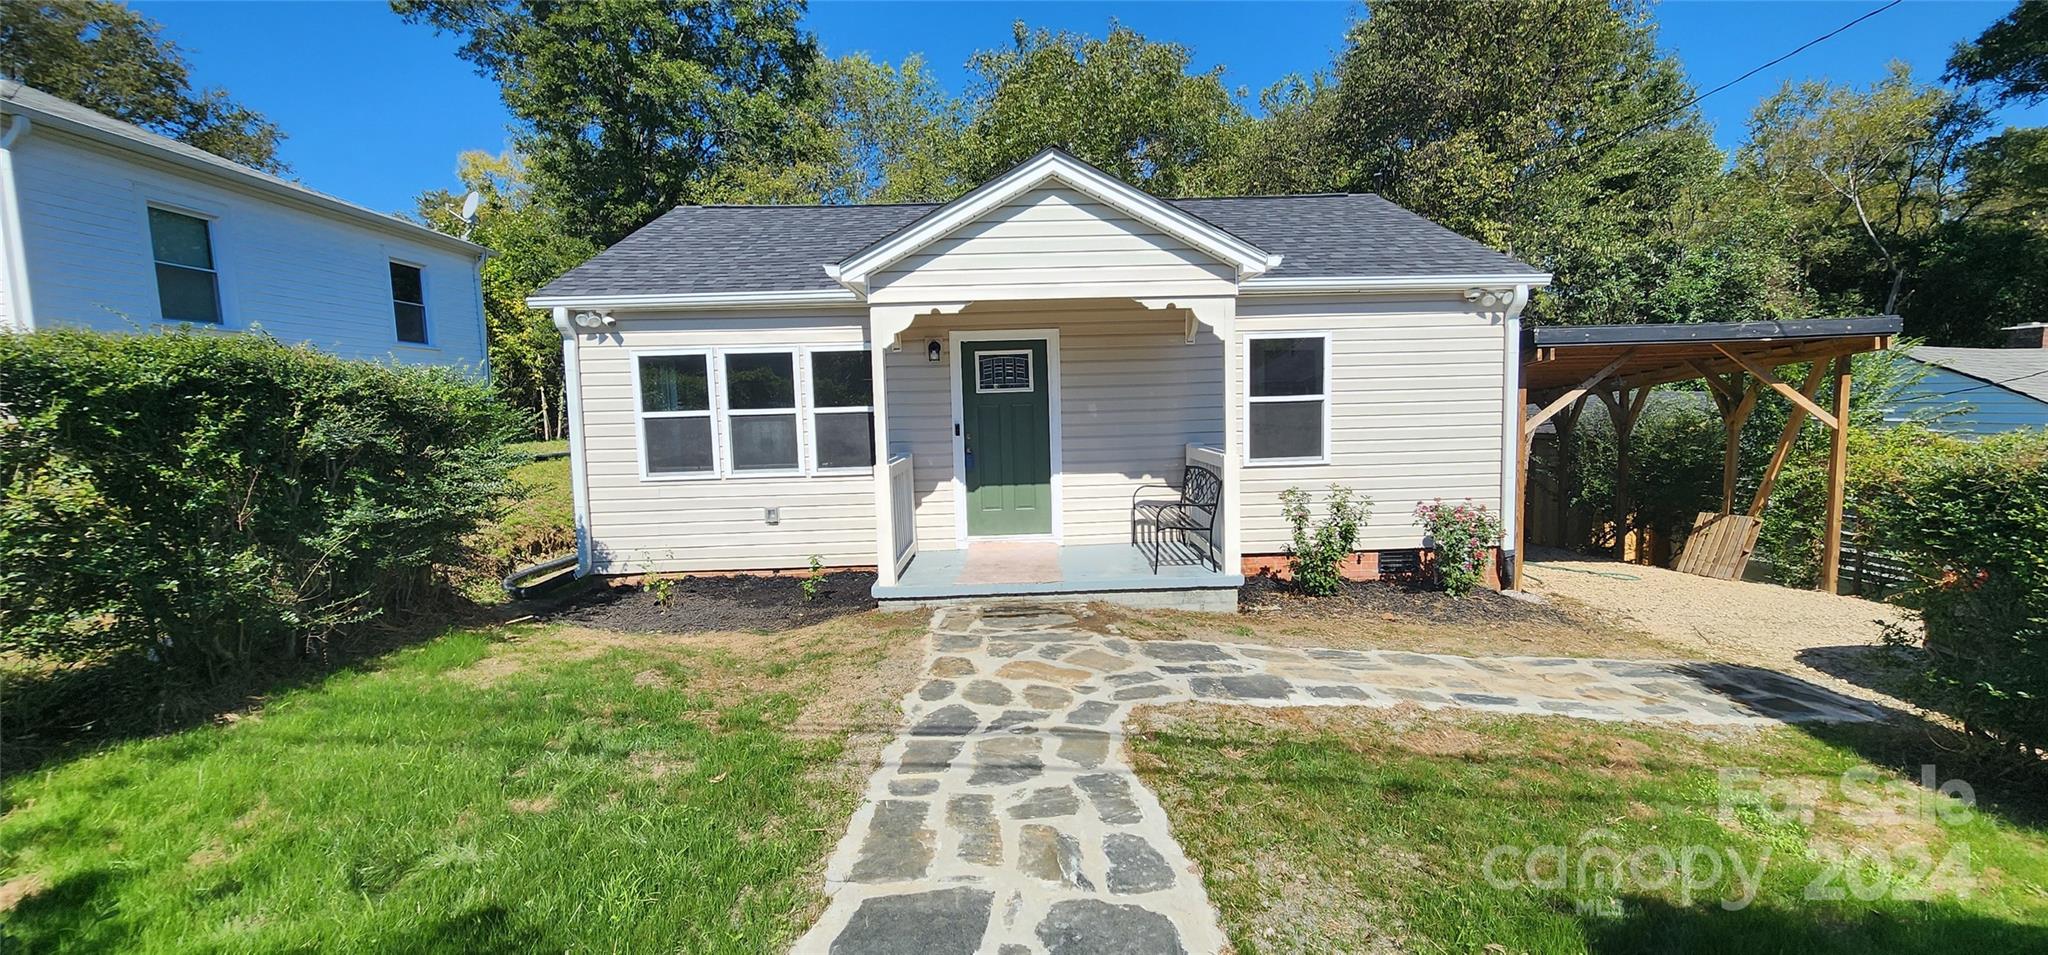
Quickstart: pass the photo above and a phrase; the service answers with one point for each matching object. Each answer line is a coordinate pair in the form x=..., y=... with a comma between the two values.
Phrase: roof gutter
x=247, y=178
x=769, y=299
x=1391, y=283
x=20, y=304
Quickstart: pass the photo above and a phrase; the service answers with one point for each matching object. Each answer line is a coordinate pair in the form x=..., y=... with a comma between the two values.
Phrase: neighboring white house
x=108, y=226
x=1029, y=355
x=1981, y=390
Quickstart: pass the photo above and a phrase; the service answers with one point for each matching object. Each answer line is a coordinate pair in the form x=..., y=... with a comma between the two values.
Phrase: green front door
x=1005, y=420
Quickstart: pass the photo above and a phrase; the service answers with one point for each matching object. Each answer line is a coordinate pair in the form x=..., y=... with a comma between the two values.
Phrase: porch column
x=885, y=501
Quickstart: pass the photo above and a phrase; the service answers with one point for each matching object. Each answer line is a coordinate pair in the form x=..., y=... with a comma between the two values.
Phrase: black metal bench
x=1200, y=497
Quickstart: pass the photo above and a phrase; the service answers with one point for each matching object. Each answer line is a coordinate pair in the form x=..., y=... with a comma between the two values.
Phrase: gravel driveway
x=1819, y=637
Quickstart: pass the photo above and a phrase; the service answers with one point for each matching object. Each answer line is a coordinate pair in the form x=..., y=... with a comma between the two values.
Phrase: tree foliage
x=532, y=248
x=2011, y=56
x=1121, y=102
x=104, y=56
x=630, y=107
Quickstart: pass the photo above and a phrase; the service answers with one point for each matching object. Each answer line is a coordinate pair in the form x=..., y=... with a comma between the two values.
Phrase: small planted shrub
x=1320, y=547
x=203, y=500
x=1463, y=536
x=814, y=580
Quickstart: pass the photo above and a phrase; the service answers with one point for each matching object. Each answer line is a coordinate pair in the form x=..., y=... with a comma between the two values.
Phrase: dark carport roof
x=700, y=249
x=1556, y=358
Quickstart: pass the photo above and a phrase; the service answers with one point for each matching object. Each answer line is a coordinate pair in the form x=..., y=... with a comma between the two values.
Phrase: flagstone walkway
x=1006, y=821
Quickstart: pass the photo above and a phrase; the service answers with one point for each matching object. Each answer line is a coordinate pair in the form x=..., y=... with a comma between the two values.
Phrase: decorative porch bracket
x=1219, y=313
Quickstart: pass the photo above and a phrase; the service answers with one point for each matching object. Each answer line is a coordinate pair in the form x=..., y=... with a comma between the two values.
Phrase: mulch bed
x=1394, y=599
x=705, y=604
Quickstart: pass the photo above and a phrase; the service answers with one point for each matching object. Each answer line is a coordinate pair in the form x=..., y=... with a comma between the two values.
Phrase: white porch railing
x=902, y=508
x=1208, y=456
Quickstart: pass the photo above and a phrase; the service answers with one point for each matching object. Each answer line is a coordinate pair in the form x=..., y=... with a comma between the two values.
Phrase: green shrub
x=203, y=498
x=1463, y=536
x=1973, y=518
x=1319, y=548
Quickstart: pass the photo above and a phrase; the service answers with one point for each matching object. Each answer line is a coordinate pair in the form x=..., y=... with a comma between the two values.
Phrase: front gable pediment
x=1126, y=234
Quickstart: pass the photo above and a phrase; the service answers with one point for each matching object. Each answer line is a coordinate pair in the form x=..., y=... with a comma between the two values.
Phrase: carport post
x=1838, y=470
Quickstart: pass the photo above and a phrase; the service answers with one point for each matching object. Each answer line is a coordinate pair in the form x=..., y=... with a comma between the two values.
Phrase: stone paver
x=1000, y=830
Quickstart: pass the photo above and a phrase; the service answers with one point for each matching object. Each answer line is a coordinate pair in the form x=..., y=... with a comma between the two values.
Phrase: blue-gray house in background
x=1981, y=391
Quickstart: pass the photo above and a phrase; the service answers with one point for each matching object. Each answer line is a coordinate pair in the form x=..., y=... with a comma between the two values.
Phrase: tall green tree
x=1129, y=105
x=629, y=107
x=2010, y=56
x=1553, y=128
x=532, y=248
x=104, y=56
x=1877, y=173
x=900, y=135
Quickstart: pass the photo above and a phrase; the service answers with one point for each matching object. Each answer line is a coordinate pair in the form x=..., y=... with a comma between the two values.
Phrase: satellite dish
x=468, y=215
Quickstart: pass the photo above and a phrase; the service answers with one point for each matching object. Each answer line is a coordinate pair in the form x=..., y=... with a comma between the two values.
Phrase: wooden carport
x=1563, y=366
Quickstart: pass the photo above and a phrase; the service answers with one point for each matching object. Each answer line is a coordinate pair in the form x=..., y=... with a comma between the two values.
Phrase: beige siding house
x=976, y=398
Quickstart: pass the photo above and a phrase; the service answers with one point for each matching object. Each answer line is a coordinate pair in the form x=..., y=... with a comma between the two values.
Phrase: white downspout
x=1511, y=427
x=579, y=482
x=19, y=303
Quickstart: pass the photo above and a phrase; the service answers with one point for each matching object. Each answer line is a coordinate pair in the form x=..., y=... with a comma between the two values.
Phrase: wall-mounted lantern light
x=932, y=350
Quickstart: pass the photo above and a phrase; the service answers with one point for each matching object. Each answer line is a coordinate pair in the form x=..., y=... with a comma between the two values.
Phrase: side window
x=842, y=409
x=187, y=287
x=1287, y=400
x=409, y=303
x=760, y=411
x=675, y=414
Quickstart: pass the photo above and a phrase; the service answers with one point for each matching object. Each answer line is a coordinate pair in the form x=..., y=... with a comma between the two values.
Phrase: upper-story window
x=409, y=303
x=187, y=286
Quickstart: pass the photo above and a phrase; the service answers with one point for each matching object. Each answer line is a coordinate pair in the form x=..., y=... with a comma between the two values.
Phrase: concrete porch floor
x=1113, y=573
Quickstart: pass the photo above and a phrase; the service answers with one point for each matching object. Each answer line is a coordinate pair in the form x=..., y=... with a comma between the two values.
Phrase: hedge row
x=205, y=498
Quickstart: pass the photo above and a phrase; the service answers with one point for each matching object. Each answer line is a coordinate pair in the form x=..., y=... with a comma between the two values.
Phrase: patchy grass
x=1560, y=631
x=524, y=789
x=539, y=522
x=1371, y=830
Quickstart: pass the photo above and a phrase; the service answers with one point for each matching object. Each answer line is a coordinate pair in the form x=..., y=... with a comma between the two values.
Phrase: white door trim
x=1051, y=337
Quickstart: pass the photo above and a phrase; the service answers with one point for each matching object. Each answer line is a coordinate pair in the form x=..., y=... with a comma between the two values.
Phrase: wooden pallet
x=1719, y=546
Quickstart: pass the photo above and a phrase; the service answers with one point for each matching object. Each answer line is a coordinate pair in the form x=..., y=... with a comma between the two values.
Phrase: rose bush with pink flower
x=1463, y=535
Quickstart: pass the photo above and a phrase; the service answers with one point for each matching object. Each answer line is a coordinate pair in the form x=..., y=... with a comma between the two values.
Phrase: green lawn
x=1365, y=832
x=519, y=790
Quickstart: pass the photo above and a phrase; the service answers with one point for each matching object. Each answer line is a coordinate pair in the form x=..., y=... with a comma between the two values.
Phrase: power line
x=1688, y=104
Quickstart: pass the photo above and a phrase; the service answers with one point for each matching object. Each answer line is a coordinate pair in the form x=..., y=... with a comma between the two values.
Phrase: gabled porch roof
x=1053, y=166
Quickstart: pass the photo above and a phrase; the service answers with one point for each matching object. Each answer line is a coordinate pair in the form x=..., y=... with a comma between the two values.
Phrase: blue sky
x=376, y=109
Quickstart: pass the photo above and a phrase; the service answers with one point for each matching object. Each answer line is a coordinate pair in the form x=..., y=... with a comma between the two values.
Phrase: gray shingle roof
x=2021, y=370
x=62, y=113
x=693, y=249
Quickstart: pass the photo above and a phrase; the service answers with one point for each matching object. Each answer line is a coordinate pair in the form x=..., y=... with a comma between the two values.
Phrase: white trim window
x=409, y=302
x=840, y=391
x=761, y=432
x=673, y=392
x=187, y=284
x=1287, y=399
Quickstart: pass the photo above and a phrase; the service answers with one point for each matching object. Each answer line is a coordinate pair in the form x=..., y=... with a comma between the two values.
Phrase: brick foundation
x=1366, y=565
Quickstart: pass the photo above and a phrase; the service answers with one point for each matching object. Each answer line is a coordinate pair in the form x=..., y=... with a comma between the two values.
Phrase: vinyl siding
x=1415, y=413
x=297, y=274
x=1052, y=242
x=711, y=524
x=1133, y=394
x=1959, y=404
